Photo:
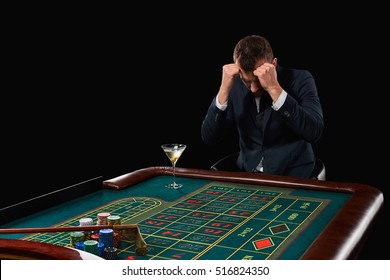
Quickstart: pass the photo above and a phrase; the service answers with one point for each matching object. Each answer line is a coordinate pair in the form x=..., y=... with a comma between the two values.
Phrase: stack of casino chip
x=95, y=236
x=86, y=222
x=91, y=246
x=100, y=249
x=106, y=236
x=80, y=245
x=115, y=220
x=103, y=218
x=110, y=253
x=75, y=237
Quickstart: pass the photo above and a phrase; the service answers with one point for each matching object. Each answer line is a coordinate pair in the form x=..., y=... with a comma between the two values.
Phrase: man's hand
x=229, y=72
x=266, y=73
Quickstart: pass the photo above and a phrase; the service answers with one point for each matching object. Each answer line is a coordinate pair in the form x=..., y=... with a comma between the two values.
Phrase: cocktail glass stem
x=174, y=176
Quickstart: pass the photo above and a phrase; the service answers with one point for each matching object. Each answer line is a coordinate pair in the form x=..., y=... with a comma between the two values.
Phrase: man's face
x=251, y=81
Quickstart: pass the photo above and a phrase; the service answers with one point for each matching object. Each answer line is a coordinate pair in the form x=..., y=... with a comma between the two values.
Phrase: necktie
x=259, y=122
x=260, y=113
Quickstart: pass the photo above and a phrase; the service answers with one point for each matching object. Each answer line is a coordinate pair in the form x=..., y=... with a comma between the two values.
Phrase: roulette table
x=216, y=215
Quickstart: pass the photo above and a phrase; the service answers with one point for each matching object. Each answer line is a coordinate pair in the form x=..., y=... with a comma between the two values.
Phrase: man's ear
x=274, y=61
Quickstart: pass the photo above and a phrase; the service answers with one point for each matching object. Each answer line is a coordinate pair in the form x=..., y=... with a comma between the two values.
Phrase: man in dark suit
x=276, y=111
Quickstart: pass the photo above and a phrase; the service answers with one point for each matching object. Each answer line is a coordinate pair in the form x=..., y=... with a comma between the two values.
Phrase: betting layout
x=218, y=221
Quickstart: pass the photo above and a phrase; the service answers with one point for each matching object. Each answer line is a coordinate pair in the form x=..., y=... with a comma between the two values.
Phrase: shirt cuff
x=221, y=107
x=279, y=103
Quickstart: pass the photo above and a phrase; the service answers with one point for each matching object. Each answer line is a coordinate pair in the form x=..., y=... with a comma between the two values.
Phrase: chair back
x=319, y=171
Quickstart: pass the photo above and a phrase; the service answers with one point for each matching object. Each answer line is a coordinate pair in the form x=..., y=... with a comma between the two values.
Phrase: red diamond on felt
x=263, y=243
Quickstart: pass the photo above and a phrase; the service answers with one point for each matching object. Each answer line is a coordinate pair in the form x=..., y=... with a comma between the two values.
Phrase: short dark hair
x=249, y=50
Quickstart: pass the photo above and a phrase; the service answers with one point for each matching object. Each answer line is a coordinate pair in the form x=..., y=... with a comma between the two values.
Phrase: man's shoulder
x=294, y=73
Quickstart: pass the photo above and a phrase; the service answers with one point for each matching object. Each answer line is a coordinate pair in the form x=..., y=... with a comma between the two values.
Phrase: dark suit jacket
x=286, y=138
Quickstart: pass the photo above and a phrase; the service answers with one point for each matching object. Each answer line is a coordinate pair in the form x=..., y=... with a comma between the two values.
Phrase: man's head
x=250, y=50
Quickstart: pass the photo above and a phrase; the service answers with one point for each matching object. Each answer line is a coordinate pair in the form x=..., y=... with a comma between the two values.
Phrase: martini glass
x=173, y=152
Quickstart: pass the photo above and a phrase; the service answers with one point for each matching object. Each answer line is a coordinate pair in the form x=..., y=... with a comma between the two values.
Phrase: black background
x=96, y=93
